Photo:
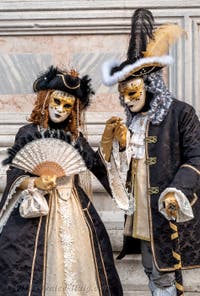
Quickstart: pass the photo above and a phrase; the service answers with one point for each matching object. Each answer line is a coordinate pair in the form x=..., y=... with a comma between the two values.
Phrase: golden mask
x=133, y=93
x=60, y=106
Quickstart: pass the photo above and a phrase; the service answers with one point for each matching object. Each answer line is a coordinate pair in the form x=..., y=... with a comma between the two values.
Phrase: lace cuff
x=118, y=189
x=131, y=208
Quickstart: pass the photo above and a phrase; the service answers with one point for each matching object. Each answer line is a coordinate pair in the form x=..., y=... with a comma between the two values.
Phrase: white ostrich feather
x=49, y=156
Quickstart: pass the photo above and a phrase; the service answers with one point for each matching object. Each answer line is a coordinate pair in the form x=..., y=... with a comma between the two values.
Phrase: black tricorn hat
x=147, y=51
x=69, y=82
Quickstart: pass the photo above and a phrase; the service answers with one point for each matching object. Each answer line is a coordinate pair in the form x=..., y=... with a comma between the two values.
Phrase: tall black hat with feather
x=69, y=82
x=147, y=51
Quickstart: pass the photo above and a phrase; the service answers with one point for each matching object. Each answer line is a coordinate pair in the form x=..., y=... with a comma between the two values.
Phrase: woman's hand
x=45, y=182
x=24, y=184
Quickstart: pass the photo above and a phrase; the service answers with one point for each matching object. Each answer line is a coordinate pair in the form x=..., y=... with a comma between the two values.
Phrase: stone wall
x=35, y=34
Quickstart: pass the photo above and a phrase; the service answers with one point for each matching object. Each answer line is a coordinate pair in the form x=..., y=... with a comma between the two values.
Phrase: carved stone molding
x=82, y=17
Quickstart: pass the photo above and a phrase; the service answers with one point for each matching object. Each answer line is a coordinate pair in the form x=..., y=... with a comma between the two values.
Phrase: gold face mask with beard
x=60, y=106
x=133, y=93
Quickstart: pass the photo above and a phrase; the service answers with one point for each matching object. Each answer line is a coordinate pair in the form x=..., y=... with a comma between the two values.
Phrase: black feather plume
x=87, y=90
x=141, y=30
x=43, y=80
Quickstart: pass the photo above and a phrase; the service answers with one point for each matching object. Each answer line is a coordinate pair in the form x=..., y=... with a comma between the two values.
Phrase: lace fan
x=49, y=156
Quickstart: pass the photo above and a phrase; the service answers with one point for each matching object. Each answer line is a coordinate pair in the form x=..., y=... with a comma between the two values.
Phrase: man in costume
x=59, y=248
x=156, y=156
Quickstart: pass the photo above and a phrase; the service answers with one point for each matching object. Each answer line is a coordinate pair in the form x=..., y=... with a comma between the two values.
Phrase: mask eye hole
x=67, y=106
x=132, y=93
x=57, y=101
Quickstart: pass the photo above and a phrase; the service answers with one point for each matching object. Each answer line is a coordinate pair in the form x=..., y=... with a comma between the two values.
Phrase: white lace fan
x=49, y=156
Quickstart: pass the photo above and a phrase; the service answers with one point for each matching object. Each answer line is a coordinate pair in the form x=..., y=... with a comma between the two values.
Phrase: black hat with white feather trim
x=147, y=52
x=67, y=81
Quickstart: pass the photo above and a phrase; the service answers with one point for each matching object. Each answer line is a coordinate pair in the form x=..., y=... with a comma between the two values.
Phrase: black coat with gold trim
x=18, y=236
x=175, y=144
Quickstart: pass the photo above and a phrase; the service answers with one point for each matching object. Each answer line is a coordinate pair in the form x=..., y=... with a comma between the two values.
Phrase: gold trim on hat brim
x=142, y=73
x=65, y=83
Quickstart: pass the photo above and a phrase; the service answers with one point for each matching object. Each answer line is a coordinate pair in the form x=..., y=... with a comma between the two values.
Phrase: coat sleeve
x=187, y=178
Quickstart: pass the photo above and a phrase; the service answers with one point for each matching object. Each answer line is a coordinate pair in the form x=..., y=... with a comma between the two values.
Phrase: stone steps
x=134, y=280
x=146, y=293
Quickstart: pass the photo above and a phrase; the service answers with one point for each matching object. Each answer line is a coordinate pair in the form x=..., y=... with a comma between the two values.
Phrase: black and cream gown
x=67, y=252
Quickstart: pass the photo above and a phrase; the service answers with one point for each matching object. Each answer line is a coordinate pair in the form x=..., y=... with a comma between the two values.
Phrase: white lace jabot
x=136, y=147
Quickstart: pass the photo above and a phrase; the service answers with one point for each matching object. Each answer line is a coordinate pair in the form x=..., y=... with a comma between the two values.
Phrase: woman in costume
x=65, y=251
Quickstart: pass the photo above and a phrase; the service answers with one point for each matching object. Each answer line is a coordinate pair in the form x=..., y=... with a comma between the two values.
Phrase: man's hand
x=45, y=182
x=108, y=136
x=120, y=134
x=171, y=205
x=109, y=130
